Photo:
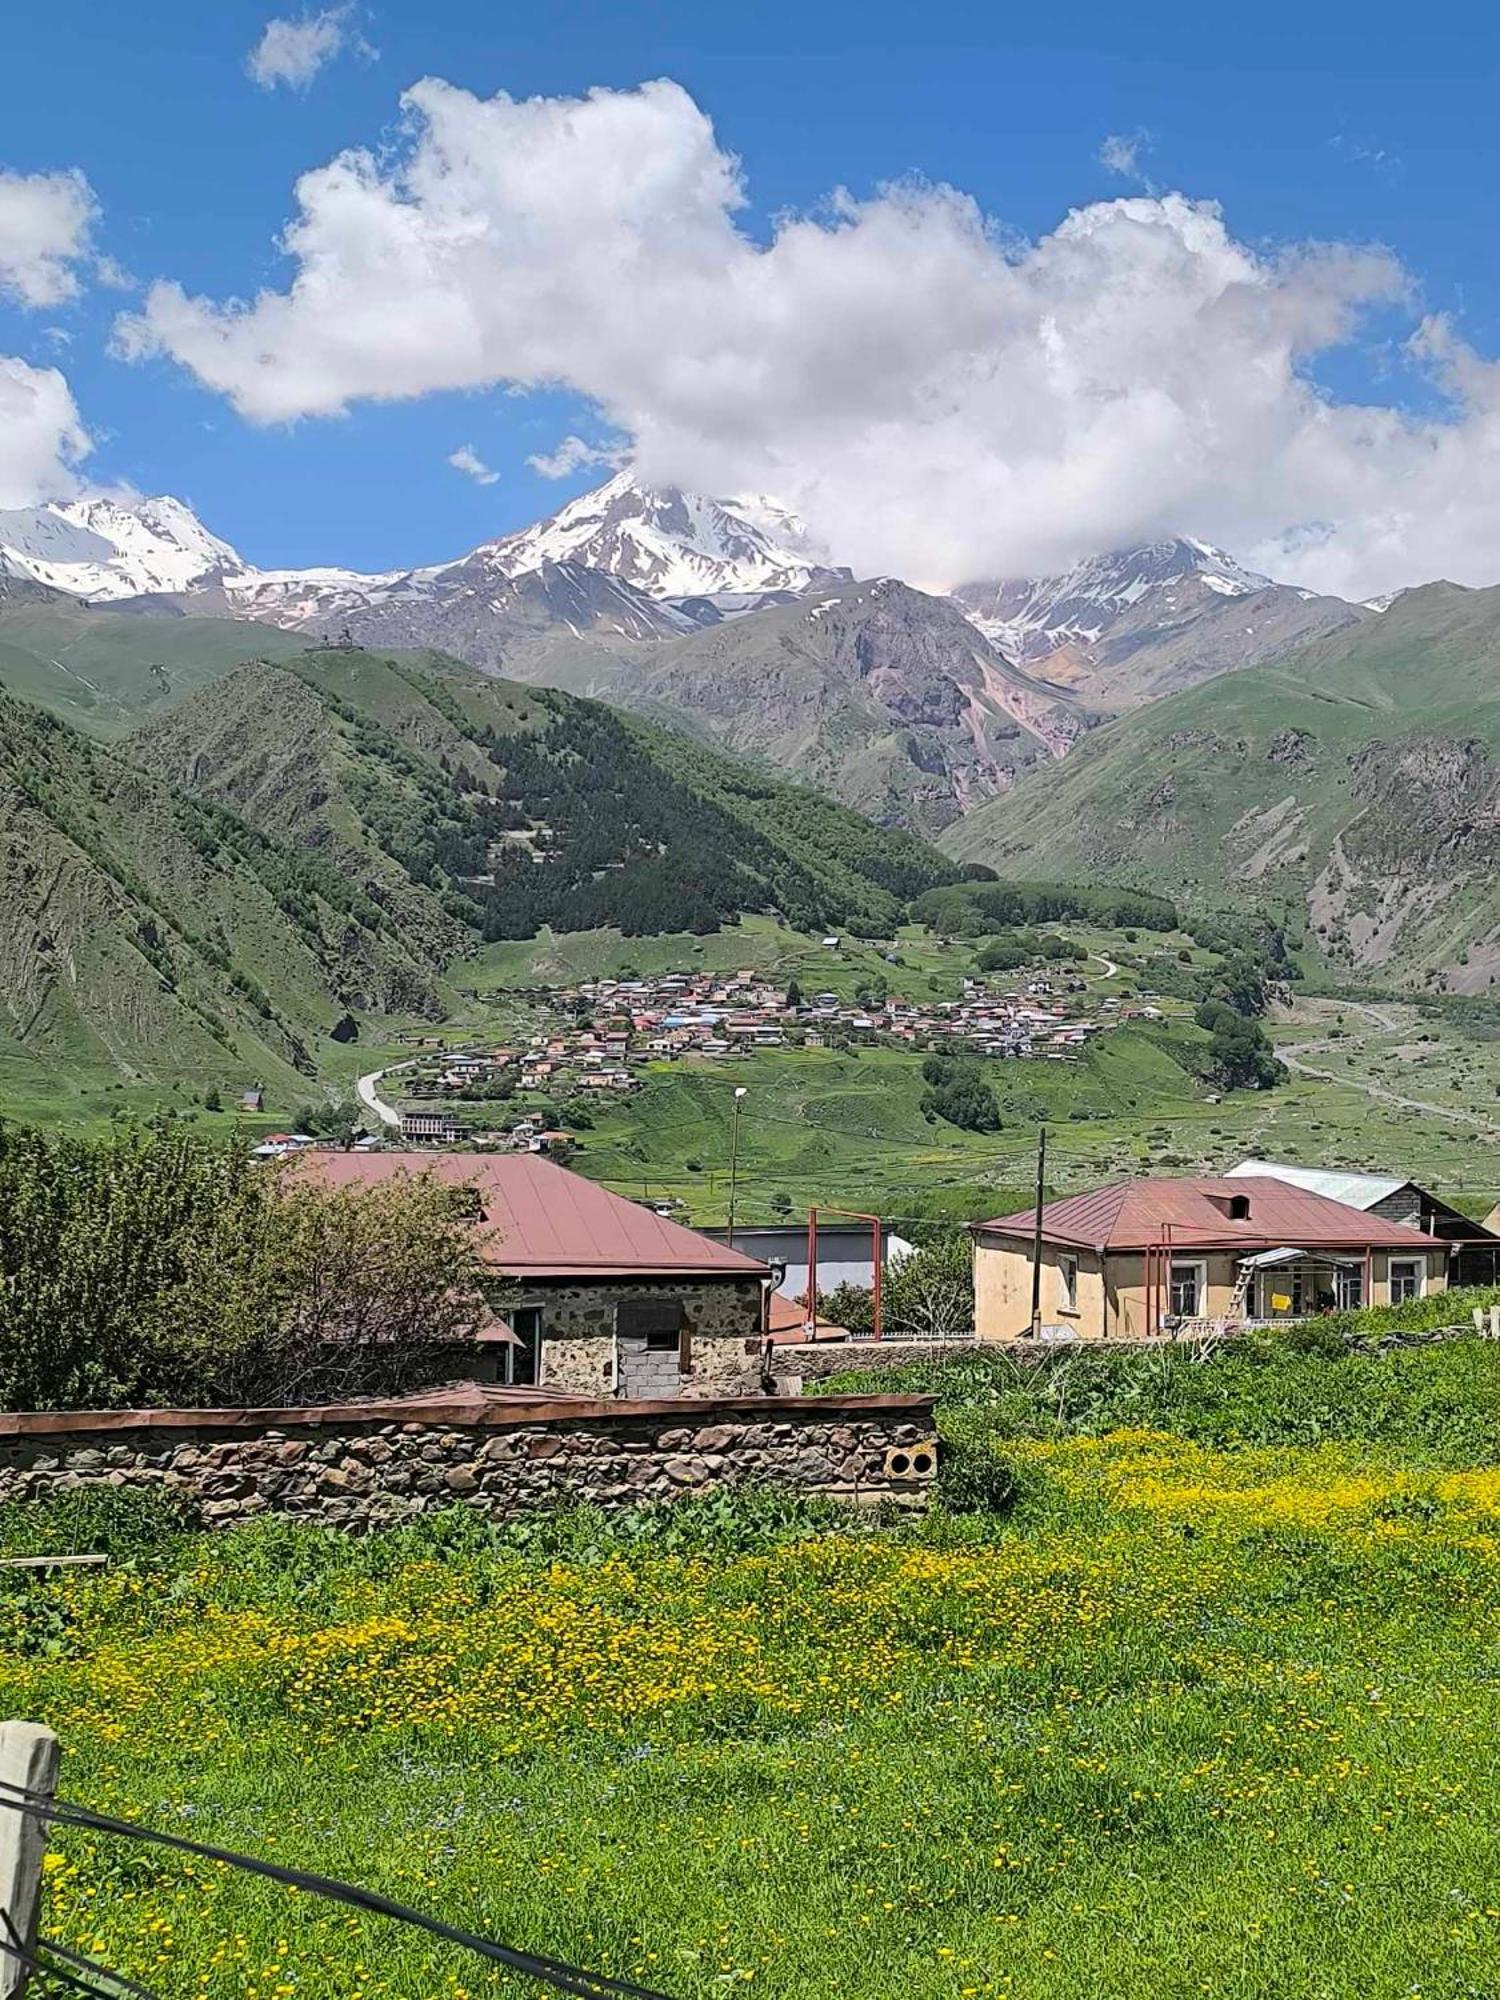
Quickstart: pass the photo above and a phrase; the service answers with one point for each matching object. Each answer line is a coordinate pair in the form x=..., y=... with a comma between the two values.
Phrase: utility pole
x=734, y=1157
x=1036, y=1234
x=28, y=1760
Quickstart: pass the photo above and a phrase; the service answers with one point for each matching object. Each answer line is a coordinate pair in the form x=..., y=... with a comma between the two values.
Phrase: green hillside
x=1354, y=786
x=108, y=670
x=146, y=936
x=476, y=809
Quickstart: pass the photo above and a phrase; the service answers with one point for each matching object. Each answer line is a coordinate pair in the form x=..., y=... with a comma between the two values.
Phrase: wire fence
x=72, y=1970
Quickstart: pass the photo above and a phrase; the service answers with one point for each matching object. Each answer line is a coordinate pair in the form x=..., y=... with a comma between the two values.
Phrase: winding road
x=366, y=1088
x=1293, y=1054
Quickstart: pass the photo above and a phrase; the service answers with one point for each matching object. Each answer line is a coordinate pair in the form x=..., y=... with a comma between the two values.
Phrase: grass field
x=1211, y=1709
x=1380, y=1085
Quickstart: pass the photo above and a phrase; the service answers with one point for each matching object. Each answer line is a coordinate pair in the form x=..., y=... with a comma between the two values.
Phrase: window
x=1067, y=1284
x=520, y=1364
x=1239, y=1208
x=1348, y=1287
x=1188, y=1288
x=658, y=1322
x=1408, y=1276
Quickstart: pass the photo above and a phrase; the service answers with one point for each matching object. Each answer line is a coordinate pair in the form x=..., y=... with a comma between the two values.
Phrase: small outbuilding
x=601, y=1295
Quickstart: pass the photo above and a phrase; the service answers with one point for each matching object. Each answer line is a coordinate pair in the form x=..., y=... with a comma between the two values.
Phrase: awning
x=1264, y=1259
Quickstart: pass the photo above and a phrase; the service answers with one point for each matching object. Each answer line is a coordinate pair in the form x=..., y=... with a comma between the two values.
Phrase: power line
x=551, y=1971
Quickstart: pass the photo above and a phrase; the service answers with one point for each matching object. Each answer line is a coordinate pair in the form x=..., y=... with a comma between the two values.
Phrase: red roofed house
x=604, y=1296
x=1145, y=1257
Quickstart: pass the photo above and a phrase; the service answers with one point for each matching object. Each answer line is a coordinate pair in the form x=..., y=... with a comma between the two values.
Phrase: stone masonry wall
x=363, y=1466
x=721, y=1322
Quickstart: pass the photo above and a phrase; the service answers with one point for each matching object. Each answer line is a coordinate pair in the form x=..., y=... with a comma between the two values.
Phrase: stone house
x=1159, y=1256
x=601, y=1295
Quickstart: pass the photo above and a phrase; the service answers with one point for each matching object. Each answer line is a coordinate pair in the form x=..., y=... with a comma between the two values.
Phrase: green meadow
x=1203, y=1706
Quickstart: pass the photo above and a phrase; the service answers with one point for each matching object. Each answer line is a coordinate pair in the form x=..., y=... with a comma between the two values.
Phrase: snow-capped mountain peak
x=668, y=542
x=112, y=547
x=1028, y=617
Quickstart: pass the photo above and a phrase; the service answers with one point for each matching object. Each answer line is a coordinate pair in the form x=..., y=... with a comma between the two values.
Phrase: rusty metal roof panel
x=546, y=1222
x=1131, y=1215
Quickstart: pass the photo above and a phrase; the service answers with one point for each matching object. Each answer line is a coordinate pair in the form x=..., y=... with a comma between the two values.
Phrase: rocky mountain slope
x=879, y=694
x=723, y=617
x=1128, y=627
x=1354, y=785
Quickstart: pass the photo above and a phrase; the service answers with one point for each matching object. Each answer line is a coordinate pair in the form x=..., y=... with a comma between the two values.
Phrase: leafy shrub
x=974, y=1480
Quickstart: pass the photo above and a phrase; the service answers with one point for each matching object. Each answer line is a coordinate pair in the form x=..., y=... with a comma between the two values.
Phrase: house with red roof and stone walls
x=603, y=1296
x=1148, y=1257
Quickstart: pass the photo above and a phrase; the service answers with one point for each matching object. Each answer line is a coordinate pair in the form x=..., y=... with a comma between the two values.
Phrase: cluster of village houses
x=618, y=1026
x=605, y=1297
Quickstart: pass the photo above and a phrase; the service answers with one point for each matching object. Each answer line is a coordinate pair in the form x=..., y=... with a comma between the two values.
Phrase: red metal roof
x=1130, y=1215
x=545, y=1222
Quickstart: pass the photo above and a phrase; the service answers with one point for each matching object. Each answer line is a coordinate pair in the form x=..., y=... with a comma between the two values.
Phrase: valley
x=263, y=826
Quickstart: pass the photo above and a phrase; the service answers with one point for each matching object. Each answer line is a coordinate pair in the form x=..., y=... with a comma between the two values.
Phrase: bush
x=151, y=1268
x=974, y=1480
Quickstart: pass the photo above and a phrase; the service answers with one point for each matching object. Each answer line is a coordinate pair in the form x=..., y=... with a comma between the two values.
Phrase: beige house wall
x=1111, y=1292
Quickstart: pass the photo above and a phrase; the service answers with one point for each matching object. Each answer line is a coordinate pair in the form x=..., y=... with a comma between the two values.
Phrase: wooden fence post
x=28, y=1757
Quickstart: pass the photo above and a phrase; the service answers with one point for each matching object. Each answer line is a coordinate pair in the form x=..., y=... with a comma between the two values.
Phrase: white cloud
x=1121, y=153
x=467, y=459
x=933, y=396
x=573, y=454
x=41, y=435
x=46, y=221
x=293, y=51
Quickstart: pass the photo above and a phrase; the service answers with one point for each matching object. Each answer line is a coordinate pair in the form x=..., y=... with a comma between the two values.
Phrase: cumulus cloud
x=934, y=396
x=573, y=454
x=467, y=459
x=41, y=435
x=293, y=51
x=46, y=221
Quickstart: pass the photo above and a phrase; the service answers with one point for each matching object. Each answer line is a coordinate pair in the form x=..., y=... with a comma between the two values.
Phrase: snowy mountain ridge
x=1030, y=617
x=669, y=543
x=658, y=540
x=112, y=547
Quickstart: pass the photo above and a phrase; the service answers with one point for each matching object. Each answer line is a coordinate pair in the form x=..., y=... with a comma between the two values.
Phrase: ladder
x=1239, y=1297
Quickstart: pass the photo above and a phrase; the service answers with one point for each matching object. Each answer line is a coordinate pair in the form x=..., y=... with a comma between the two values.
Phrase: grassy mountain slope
x=147, y=935
x=472, y=808
x=1357, y=781
x=108, y=670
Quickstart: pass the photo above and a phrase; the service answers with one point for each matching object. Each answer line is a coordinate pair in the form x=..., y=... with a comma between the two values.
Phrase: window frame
x=1349, y=1278
x=1067, y=1281
x=1417, y=1267
x=1199, y=1268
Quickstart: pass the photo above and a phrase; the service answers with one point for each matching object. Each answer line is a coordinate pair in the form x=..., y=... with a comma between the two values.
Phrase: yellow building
x=1158, y=1256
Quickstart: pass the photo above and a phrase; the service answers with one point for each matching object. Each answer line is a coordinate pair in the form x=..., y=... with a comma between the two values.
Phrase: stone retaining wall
x=364, y=1466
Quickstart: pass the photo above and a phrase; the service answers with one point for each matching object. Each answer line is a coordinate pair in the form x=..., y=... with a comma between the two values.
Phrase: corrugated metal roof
x=1130, y=1215
x=1358, y=1190
x=545, y=1222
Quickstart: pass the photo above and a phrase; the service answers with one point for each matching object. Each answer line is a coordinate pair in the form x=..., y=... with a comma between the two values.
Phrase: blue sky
x=1345, y=123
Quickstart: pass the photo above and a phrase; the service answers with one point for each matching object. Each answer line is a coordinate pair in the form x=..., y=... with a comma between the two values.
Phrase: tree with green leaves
x=931, y=1291
x=152, y=1268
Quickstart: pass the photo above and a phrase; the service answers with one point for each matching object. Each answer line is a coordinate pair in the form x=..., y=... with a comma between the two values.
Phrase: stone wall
x=719, y=1353
x=362, y=1466
x=815, y=1361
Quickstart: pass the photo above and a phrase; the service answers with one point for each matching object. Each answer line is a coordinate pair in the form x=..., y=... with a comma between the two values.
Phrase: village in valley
x=600, y=1037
